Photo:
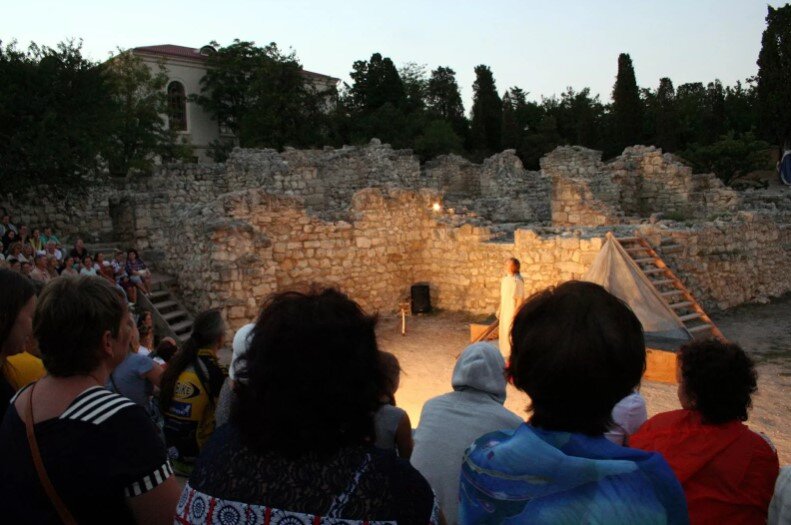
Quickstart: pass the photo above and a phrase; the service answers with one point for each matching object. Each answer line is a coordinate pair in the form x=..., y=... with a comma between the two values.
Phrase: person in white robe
x=512, y=294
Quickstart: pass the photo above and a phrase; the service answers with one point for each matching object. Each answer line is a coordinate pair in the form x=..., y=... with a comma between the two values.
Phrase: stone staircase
x=171, y=319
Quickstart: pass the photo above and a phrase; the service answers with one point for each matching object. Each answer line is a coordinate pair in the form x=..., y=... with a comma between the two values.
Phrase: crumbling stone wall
x=362, y=218
x=728, y=263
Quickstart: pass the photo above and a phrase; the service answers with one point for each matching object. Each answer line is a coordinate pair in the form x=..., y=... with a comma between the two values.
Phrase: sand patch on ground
x=428, y=353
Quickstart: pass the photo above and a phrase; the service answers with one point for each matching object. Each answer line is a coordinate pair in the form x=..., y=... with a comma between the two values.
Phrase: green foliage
x=55, y=114
x=438, y=138
x=376, y=83
x=260, y=94
x=627, y=107
x=487, y=113
x=443, y=100
x=137, y=130
x=730, y=156
x=774, y=76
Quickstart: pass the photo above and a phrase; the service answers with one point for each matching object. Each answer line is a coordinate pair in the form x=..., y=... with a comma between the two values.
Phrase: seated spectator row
x=306, y=429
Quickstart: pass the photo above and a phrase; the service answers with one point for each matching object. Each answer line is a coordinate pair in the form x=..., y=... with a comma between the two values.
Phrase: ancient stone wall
x=727, y=263
x=363, y=218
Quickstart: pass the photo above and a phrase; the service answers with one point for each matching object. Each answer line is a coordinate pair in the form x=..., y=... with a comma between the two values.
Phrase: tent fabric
x=785, y=168
x=616, y=271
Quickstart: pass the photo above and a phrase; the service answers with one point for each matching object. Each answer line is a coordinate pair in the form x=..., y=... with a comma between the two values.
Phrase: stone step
x=164, y=305
x=182, y=327
x=175, y=314
x=159, y=295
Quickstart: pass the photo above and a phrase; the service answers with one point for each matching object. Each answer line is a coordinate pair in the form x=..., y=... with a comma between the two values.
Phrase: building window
x=177, y=107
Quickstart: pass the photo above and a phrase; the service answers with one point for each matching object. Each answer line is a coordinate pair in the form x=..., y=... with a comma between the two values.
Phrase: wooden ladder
x=670, y=288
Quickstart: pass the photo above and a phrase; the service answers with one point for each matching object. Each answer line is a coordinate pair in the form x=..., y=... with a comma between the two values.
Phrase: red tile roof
x=192, y=53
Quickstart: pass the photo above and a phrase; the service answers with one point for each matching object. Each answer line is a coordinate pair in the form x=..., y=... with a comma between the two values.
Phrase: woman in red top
x=728, y=471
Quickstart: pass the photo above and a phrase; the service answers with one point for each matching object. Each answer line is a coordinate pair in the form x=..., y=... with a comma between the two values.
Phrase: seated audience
x=15, y=251
x=299, y=444
x=27, y=267
x=577, y=350
x=241, y=341
x=40, y=272
x=25, y=367
x=165, y=351
x=79, y=252
x=627, y=415
x=14, y=265
x=53, y=267
x=70, y=267
x=146, y=342
x=8, y=240
x=189, y=390
x=17, y=304
x=52, y=251
x=100, y=452
x=780, y=508
x=27, y=251
x=88, y=270
x=137, y=271
x=121, y=277
x=49, y=237
x=392, y=425
x=451, y=422
x=23, y=235
x=36, y=241
x=6, y=225
x=135, y=378
x=2, y=252
x=728, y=471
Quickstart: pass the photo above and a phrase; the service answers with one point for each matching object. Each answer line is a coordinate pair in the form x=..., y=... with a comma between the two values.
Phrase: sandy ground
x=429, y=350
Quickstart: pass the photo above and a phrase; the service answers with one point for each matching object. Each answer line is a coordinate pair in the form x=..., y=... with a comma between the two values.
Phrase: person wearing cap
x=241, y=341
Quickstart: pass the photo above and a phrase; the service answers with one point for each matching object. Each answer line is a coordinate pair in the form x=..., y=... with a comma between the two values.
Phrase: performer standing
x=512, y=293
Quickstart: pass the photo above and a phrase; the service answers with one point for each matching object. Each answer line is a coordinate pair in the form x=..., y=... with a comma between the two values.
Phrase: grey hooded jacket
x=451, y=422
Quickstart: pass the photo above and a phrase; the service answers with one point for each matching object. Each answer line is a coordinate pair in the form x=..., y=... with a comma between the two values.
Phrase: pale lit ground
x=428, y=352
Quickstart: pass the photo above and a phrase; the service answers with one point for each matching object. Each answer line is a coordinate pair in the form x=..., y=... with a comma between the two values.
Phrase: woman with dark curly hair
x=577, y=350
x=727, y=470
x=299, y=445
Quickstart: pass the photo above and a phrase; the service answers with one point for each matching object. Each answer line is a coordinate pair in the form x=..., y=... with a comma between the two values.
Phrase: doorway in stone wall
x=122, y=215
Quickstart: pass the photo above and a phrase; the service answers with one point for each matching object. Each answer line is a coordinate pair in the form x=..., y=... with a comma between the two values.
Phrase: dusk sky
x=541, y=47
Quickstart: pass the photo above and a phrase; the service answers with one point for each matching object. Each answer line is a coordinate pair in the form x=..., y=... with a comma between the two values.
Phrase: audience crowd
x=99, y=415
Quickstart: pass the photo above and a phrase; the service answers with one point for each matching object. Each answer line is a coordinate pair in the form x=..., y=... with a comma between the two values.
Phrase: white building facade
x=185, y=67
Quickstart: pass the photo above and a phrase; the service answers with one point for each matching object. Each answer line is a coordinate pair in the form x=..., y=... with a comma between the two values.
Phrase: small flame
x=436, y=207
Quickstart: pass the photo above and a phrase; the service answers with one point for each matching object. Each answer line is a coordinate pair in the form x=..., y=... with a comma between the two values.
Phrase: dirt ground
x=429, y=350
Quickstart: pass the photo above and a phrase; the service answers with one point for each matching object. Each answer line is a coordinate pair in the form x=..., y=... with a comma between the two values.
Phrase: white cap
x=241, y=341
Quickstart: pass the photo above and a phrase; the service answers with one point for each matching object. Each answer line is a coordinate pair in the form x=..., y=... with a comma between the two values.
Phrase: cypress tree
x=627, y=107
x=667, y=116
x=487, y=113
x=774, y=76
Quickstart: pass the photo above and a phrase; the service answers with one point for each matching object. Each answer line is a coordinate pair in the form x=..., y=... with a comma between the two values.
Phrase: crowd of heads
x=39, y=254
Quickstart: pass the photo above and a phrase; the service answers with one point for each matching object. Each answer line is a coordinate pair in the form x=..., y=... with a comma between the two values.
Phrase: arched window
x=177, y=107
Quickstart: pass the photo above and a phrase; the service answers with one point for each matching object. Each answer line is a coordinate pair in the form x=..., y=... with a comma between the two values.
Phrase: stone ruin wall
x=362, y=218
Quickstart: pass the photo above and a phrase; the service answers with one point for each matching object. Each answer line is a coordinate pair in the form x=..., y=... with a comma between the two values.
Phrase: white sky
x=540, y=46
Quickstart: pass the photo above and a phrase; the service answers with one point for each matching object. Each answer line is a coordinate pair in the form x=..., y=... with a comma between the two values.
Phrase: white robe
x=512, y=293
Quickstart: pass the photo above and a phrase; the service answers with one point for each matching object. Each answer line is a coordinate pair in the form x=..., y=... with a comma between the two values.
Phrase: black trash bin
x=421, y=300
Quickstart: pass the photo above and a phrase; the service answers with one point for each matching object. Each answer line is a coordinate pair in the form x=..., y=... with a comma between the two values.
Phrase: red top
x=728, y=471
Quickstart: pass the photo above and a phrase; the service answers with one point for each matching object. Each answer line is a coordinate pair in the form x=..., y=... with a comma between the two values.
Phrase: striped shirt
x=102, y=450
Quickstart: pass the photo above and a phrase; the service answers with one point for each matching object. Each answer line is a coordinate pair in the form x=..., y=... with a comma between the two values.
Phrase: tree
x=690, y=104
x=730, y=156
x=55, y=115
x=443, y=100
x=260, y=94
x=376, y=83
x=714, y=112
x=438, y=138
x=627, y=107
x=774, y=76
x=413, y=78
x=511, y=134
x=487, y=113
x=666, y=131
x=138, y=133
